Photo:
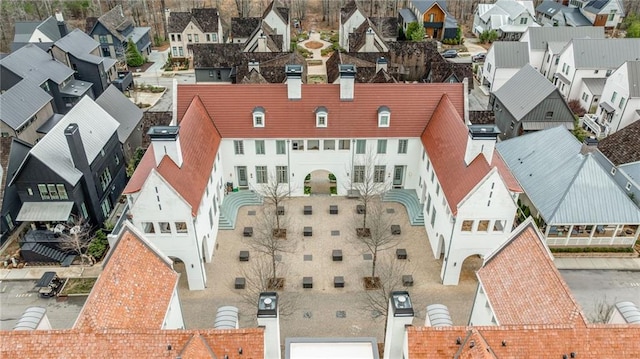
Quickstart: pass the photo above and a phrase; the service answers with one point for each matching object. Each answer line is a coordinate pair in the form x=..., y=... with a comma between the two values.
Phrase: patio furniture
x=307, y=282
x=244, y=256
x=401, y=253
x=308, y=210
x=395, y=229
x=338, y=282
x=239, y=283
x=280, y=211
x=248, y=231
x=407, y=280
x=336, y=255
x=308, y=231
x=333, y=209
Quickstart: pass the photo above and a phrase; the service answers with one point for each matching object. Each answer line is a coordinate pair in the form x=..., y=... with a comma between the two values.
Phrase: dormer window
x=258, y=117
x=384, y=116
x=321, y=116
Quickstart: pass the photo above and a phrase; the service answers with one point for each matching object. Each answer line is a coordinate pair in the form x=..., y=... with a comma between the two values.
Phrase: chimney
x=399, y=315
x=262, y=43
x=254, y=65
x=482, y=139
x=167, y=14
x=80, y=162
x=62, y=26
x=294, y=81
x=381, y=64
x=369, y=45
x=166, y=141
x=347, y=81
x=268, y=318
x=465, y=86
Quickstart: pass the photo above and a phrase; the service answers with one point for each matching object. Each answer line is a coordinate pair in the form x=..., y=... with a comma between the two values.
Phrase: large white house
x=512, y=15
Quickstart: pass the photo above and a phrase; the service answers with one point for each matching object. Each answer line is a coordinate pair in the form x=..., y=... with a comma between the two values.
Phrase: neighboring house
x=529, y=102
x=113, y=30
x=546, y=43
x=359, y=33
x=242, y=28
x=559, y=182
x=606, y=13
x=201, y=25
x=509, y=18
x=591, y=90
x=619, y=105
x=264, y=39
x=277, y=18
x=40, y=33
x=180, y=217
x=77, y=169
x=438, y=23
x=82, y=54
x=25, y=108
x=37, y=67
x=551, y=13
x=591, y=58
x=536, y=292
x=621, y=154
x=372, y=67
x=12, y=153
x=351, y=17
x=128, y=115
x=504, y=59
x=366, y=38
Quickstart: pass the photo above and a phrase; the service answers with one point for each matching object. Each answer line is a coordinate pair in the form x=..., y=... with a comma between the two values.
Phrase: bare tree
x=376, y=301
x=243, y=7
x=299, y=8
x=368, y=178
x=75, y=239
x=602, y=311
x=275, y=192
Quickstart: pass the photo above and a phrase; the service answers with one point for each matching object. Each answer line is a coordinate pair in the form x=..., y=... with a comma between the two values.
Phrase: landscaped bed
x=78, y=286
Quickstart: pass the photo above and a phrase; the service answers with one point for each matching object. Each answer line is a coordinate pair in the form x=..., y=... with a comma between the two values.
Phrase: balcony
x=592, y=235
x=592, y=123
x=124, y=81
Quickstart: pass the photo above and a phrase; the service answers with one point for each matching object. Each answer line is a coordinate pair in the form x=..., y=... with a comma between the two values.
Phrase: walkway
x=316, y=70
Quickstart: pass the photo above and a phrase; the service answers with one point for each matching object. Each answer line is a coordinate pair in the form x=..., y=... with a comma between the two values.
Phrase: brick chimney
x=347, y=82
x=399, y=315
x=294, y=81
x=166, y=142
x=381, y=64
x=482, y=139
x=268, y=317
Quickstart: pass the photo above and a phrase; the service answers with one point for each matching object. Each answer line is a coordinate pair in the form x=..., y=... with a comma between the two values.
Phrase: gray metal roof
x=96, y=127
x=50, y=123
x=407, y=15
x=549, y=7
x=604, y=53
x=632, y=170
x=543, y=125
x=595, y=85
x=574, y=17
x=510, y=54
x=524, y=91
x=32, y=63
x=540, y=36
x=513, y=8
x=424, y=5
x=138, y=33
x=80, y=45
x=24, y=30
x=122, y=110
x=21, y=102
x=556, y=46
x=49, y=27
x=633, y=74
x=565, y=186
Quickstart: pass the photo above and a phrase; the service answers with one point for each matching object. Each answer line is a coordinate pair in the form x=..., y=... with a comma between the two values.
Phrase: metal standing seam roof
x=49, y=27
x=407, y=15
x=24, y=30
x=424, y=5
x=122, y=110
x=595, y=85
x=45, y=211
x=96, y=127
x=21, y=102
x=564, y=185
x=604, y=53
x=80, y=45
x=574, y=17
x=633, y=75
x=524, y=91
x=32, y=63
x=138, y=33
x=510, y=54
x=540, y=36
x=549, y=7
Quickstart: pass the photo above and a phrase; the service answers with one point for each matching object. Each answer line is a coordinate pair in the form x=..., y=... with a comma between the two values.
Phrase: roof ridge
x=568, y=189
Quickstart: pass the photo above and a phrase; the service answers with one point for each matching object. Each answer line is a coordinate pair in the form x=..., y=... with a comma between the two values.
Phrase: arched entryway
x=178, y=266
x=320, y=182
x=470, y=266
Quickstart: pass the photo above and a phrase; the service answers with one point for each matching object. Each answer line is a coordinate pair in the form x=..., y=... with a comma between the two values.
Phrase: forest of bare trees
x=324, y=13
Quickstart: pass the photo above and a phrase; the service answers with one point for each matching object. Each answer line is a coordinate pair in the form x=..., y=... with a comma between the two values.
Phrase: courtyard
x=323, y=310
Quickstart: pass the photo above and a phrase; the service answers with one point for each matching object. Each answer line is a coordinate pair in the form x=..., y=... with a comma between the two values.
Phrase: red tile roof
x=531, y=341
x=134, y=289
x=445, y=141
x=199, y=140
x=523, y=285
x=231, y=107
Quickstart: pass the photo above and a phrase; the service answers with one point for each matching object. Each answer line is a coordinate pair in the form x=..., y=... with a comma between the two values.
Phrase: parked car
x=450, y=54
x=479, y=57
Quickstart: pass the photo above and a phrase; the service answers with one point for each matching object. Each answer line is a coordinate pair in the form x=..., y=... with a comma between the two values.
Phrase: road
x=591, y=287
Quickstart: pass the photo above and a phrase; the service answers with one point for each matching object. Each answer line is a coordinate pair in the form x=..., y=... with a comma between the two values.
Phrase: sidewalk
x=34, y=273
x=631, y=264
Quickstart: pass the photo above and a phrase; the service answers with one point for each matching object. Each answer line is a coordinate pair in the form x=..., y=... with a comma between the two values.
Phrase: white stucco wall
x=193, y=30
x=275, y=22
x=345, y=29
x=173, y=318
x=618, y=82
x=482, y=312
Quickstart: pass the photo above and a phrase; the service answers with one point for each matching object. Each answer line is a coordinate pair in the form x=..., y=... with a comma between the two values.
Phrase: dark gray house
x=113, y=31
x=32, y=64
x=13, y=152
x=216, y=62
x=82, y=54
x=77, y=169
x=529, y=102
x=128, y=115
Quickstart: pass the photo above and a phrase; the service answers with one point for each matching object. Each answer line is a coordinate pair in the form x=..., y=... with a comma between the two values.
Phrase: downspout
x=193, y=222
x=353, y=151
x=444, y=274
x=288, y=168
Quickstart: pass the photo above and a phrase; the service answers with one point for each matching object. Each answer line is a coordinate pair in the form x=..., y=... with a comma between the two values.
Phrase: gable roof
x=604, y=53
x=272, y=65
x=96, y=128
x=386, y=26
x=595, y=6
x=244, y=26
x=445, y=140
x=178, y=20
x=633, y=76
x=34, y=64
x=622, y=146
x=21, y=102
x=595, y=85
x=411, y=105
x=206, y=19
x=122, y=110
x=216, y=55
x=348, y=10
x=523, y=285
x=539, y=37
x=556, y=178
x=524, y=91
x=442, y=70
x=199, y=141
x=130, y=296
x=281, y=11
x=424, y=5
x=80, y=45
x=510, y=54
x=23, y=30
x=358, y=37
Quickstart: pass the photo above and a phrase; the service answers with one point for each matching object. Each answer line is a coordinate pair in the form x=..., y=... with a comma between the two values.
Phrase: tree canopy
x=415, y=32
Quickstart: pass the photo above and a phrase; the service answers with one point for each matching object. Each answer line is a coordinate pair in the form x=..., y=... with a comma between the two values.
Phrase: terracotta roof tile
x=474, y=347
x=127, y=294
x=199, y=140
x=445, y=141
x=196, y=347
x=622, y=146
x=412, y=105
x=523, y=285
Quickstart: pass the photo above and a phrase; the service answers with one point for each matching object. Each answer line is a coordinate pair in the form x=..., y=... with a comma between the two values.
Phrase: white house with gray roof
x=551, y=13
x=591, y=58
x=40, y=33
x=516, y=16
x=504, y=59
x=575, y=201
x=591, y=92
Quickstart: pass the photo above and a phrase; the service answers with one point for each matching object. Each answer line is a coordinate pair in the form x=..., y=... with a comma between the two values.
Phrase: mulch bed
x=313, y=45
